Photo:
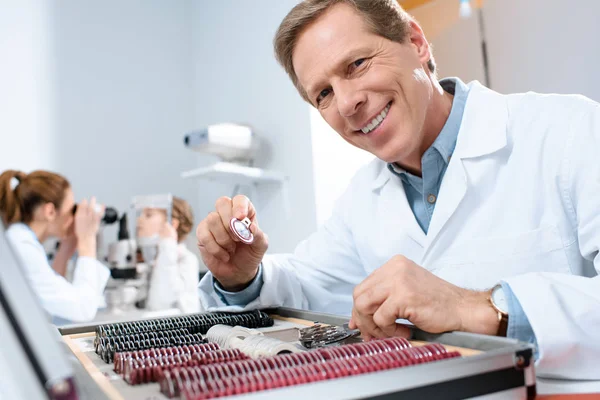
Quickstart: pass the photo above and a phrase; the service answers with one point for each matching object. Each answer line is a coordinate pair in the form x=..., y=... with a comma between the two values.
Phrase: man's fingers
x=222, y=235
x=209, y=259
x=351, y=324
x=377, y=279
x=369, y=301
x=224, y=209
x=210, y=245
x=365, y=324
x=368, y=329
x=365, y=305
x=241, y=207
x=261, y=241
x=385, y=318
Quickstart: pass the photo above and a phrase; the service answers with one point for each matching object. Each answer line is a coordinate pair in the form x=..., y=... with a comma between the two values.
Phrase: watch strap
x=502, y=316
x=502, y=325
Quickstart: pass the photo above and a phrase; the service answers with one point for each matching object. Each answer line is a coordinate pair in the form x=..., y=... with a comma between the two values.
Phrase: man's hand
x=232, y=263
x=402, y=289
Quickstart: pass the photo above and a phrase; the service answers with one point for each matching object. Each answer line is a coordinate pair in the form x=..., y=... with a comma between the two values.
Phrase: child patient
x=174, y=279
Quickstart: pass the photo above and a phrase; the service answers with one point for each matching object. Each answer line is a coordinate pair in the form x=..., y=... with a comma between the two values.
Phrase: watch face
x=499, y=299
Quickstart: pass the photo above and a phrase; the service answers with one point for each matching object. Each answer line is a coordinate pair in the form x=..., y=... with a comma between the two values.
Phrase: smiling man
x=480, y=213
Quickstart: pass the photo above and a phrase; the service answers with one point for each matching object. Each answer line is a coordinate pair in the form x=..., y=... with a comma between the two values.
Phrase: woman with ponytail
x=38, y=206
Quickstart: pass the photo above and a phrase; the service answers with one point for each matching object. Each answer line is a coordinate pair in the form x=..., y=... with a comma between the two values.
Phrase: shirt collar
x=446, y=140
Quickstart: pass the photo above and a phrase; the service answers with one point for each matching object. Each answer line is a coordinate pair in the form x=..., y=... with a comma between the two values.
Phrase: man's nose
x=349, y=100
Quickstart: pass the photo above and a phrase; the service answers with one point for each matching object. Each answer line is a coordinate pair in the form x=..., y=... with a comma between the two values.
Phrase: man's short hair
x=385, y=18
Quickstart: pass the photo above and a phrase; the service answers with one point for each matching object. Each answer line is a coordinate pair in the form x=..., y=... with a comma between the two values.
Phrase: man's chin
x=389, y=157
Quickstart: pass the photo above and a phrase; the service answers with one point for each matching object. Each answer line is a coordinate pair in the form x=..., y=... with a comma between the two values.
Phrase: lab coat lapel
x=393, y=202
x=482, y=132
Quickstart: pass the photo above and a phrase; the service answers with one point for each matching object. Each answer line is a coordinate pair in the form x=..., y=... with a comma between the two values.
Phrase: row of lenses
x=198, y=323
x=124, y=357
x=170, y=382
x=151, y=369
x=140, y=336
x=107, y=350
x=147, y=365
x=192, y=387
x=364, y=348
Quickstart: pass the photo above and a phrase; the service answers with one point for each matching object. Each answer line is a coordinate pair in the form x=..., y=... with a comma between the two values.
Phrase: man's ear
x=175, y=223
x=418, y=39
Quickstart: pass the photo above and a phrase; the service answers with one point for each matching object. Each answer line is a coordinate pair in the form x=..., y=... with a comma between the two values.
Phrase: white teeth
x=376, y=121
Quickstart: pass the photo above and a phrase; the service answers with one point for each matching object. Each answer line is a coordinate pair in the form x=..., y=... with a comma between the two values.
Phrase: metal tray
x=501, y=368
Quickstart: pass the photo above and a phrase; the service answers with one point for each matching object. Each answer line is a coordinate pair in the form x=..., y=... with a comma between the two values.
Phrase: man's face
x=374, y=92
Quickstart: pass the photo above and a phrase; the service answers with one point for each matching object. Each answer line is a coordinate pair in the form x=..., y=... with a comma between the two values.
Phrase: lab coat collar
x=484, y=126
x=482, y=131
x=383, y=176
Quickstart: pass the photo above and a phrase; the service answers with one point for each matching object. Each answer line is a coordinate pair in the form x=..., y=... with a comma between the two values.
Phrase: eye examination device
x=132, y=256
x=110, y=215
x=241, y=229
x=230, y=142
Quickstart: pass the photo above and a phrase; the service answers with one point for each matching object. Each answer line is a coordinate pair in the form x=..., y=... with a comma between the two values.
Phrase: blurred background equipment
x=230, y=142
x=109, y=215
x=132, y=256
x=237, y=148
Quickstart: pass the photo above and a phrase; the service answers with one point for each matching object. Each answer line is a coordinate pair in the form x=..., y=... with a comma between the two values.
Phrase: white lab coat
x=77, y=301
x=174, y=279
x=520, y=201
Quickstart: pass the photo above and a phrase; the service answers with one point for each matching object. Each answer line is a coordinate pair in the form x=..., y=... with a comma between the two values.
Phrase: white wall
x=540, y=45
x=455, y=41
x=26, y=86
x=132, y=78
x=125, y=97
x=238, y=80
x=544, y=45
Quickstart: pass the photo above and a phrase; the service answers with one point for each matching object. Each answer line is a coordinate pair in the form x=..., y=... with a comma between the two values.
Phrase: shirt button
x=431, y=198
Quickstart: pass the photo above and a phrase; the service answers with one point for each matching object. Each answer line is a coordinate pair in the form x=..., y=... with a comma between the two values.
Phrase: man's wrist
x=235, y=286
x=477, y=313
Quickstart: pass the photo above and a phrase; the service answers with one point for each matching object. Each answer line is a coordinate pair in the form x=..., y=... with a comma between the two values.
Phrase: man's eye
x=322, y=95
x=358, y=62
